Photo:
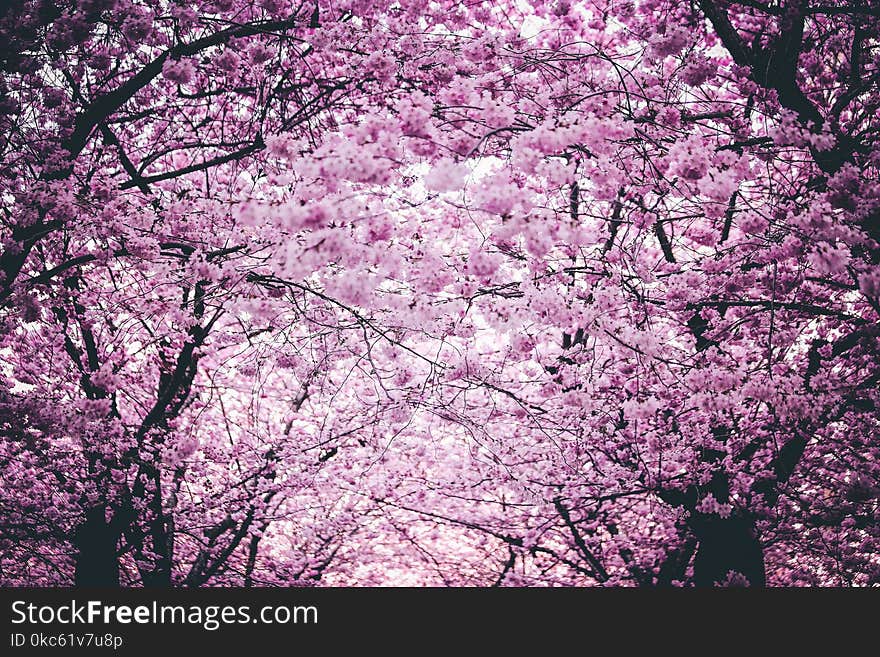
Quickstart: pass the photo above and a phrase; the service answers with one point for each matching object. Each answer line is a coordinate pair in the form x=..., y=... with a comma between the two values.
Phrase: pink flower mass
x=360, y=292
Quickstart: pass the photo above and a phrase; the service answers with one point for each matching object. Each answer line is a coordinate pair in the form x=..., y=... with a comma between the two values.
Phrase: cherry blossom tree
x=444, y=293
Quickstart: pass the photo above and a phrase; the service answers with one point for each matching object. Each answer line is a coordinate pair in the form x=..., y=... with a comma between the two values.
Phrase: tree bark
x=97, y=563
x=727, y=545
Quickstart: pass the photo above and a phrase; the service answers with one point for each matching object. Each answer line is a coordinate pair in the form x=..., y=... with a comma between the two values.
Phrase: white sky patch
x=532, y=26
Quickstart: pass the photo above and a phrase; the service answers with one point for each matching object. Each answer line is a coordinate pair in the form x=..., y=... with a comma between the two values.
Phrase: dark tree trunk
x=727, y=544
x=97, y=563
x=157, y=579
x=162, y=534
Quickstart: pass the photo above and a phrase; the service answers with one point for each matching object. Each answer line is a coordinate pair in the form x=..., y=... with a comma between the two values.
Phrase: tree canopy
x=439, y=292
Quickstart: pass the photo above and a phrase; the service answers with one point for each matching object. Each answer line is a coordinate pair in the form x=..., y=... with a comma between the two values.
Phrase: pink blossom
x=446, y=176
x=180, y=71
